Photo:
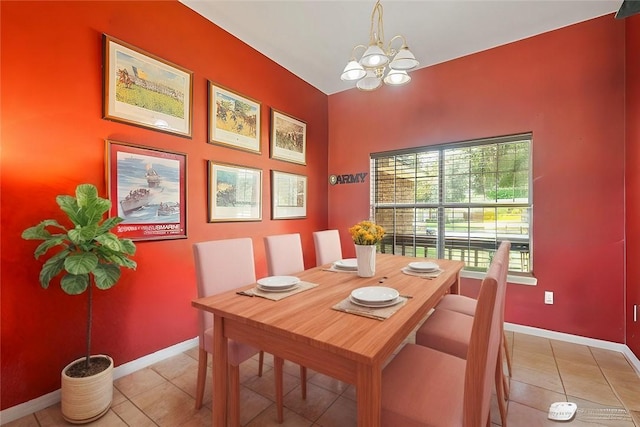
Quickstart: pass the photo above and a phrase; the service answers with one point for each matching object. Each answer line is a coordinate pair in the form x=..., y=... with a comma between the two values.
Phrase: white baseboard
x=576, y=339
x=42, y=402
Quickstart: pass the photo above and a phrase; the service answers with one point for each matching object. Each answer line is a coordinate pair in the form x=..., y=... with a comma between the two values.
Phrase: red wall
x=53, y=138
x=633, y=181
x=567, y=87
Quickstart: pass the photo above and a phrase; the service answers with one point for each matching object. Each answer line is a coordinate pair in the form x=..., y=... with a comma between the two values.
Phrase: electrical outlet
x=548, y=297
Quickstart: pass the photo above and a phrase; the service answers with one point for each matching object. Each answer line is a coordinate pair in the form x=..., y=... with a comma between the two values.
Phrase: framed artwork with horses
x=144, y=90
x=288, y=138
x=234, y=120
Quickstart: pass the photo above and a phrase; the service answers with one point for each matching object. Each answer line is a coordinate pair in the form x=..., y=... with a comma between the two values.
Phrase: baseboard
x=42, y=402
x=591, y=342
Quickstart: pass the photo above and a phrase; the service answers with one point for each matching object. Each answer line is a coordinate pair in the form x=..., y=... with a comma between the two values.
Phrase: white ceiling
x=314, y=39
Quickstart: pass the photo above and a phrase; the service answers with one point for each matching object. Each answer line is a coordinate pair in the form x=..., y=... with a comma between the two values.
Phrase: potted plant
x=89, y=254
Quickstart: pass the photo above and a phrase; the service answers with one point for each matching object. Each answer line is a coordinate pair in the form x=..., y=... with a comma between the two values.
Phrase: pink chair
x=425, y=387
x=328, y=247
x=222, y=265
x=450, y=331
x=284, y=258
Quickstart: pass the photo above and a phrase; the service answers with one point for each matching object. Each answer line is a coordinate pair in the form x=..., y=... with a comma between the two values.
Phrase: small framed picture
x=144, y=90
x=235, y=193
x=234, y=120
x=147, y=188
x=289, y=195
x=288, y=138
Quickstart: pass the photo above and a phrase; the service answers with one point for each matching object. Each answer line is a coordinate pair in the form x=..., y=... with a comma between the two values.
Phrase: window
x=456, y=201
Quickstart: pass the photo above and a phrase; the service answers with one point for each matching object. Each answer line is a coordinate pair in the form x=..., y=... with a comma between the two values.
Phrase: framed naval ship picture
x=147, y=188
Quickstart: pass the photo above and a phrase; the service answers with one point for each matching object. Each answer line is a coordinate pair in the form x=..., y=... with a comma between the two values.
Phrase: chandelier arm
x=372, y=34
x=353, y=51
x=390, y=49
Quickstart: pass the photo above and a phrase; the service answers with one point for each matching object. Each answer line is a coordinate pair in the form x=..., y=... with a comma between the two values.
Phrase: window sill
x=512, y=278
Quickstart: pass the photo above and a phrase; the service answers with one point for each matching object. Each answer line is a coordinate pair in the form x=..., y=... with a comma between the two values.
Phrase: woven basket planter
x=86, y=399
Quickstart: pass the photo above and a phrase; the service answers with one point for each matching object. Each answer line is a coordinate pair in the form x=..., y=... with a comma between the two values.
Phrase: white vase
x=366, y=256
x=86, y=399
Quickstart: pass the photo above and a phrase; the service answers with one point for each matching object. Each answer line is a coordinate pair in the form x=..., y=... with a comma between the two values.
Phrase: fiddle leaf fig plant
x=88, y=251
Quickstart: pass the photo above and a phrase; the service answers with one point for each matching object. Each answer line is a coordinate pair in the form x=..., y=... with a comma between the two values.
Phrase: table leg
x=369, y=395
x=455, y=287
x=278, y=364
x=220, y=360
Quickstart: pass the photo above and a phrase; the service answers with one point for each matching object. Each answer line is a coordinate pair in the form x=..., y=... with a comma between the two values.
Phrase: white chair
x=328, y=247
x=284, y=258
x=222, y=265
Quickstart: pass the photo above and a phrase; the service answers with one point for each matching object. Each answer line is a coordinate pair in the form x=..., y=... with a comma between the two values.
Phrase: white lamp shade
x=374, y=57
x=397, y=78
x=353, y=71
x=370, y=82
x=404, y=60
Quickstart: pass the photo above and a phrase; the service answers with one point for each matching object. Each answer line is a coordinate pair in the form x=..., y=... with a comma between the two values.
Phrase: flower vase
x=366, y=257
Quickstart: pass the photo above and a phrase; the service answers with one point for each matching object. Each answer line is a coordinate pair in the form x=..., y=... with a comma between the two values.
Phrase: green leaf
x=39, y=232
x=74, y=284
x=110, y=241
x=69, y=205
x=128, y=247
x=109, y=223
x=92, y=206
x=120, y=259
x=52, y=241
x=106, y=275
x=52, y=268
x=81, y=263
x=82, y=234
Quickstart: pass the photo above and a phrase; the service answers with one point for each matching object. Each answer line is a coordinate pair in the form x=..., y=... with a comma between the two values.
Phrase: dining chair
x=327, y=245
x=222, y=265
x=450, y=331
x=285, y=257
x=426, y=387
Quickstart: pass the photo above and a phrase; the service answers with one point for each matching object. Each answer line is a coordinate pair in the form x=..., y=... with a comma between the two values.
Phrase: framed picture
x=289, y=195
x=234, y=120
x=288, y=138
x=148, y=188
x=144, y=90
x=235, y=193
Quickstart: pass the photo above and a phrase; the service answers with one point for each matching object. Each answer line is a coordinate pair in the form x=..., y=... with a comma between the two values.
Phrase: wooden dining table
x=304, y=329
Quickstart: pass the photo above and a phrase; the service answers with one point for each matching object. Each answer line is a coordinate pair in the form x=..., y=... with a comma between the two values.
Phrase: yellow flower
x=366, y=233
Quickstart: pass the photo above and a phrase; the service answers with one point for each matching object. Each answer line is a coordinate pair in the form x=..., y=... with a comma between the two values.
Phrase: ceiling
x=314, y=39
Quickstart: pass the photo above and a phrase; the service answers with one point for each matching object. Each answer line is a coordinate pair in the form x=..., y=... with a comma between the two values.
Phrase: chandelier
x=379, y=63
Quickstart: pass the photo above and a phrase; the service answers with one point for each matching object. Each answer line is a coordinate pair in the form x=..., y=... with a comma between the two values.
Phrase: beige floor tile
x=28, y=421
x=536, y=361
x=118, y=397
x=585, y=414
x=608, y=359
x=52, y=416
x=549, y=381
x=592, y=391
x=317, y=402
x=176, y=366
x=341, y=414
x=165, y=404
x=534, y=397
x=267, y=418
x=574, y=370
x=266, y=385
x=532, y=344
x=138, y=382
x=573, y=352
x=251, y=404
x=132, y=415
x=328, y=383
x=626, y=386
x=350, y=392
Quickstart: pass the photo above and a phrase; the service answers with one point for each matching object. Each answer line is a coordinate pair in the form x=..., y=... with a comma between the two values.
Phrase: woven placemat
x=277, y=296
x=379, y=313
x=429, y=275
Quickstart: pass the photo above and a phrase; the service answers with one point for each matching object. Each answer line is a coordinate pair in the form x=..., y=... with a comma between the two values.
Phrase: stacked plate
x=349, y=264
x=375, y=296
x=423, y=267
x=278, y=283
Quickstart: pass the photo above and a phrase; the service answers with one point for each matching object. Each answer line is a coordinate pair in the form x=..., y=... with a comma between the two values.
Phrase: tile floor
x=601, y=382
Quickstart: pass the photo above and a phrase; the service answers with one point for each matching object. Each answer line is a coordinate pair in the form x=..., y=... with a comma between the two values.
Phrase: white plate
x=379, y=305
x=287, y=289
x=374, y=294
x=424, y=266
x=347, y=264
x=278, y=282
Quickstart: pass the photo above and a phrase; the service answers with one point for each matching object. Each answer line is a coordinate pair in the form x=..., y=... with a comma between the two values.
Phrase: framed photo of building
x=147, y=188
x=289, y=195
x=234, y=120
x=288, y=138
x=144, y=90
x=235, y=193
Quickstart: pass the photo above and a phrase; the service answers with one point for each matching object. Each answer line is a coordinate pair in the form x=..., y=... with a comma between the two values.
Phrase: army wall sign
x=348, y=178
